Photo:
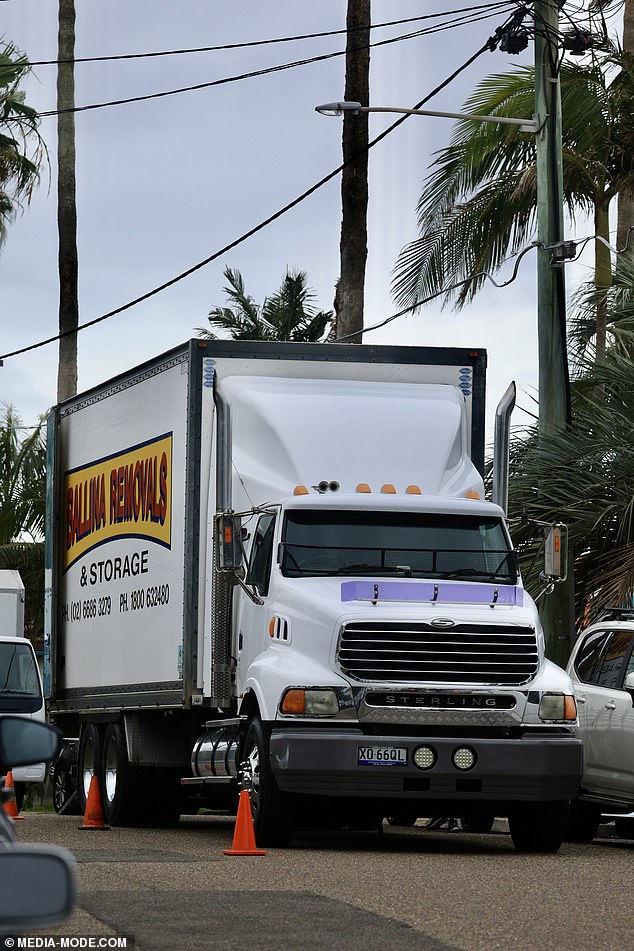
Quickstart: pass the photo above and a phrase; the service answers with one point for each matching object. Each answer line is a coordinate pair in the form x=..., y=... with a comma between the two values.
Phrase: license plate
x=382, y=756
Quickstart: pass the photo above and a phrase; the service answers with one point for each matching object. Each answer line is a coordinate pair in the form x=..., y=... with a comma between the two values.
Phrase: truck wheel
x=89, y=761
x=121, y=792
x=583, y=822
x=272, y=810
x=539, y=826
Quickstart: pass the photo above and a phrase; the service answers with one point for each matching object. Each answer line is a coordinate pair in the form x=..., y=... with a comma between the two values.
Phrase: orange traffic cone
x=93, y=816
x=11, y=806
x=243, y=834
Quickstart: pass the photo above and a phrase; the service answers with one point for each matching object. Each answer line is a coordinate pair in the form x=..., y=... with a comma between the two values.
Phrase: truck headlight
x=310, y=702
x=557, y=706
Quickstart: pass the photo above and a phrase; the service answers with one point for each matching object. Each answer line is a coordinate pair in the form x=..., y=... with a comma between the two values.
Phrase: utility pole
x=354, y=180
x=66, y=204
x=557, y=609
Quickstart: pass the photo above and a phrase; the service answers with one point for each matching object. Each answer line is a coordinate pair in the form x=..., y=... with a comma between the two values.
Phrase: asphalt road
x=403, y=890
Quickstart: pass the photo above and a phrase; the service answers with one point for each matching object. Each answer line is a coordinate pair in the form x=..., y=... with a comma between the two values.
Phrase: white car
x=602, y=669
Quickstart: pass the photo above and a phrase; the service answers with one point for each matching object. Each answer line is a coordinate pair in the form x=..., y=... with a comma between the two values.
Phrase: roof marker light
x=472, y=494
x=300, y=490
x=363, y=487
x=413, y=490
x=388, y=489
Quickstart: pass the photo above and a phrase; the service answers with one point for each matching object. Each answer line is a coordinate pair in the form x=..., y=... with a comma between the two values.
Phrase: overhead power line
x=269, y=42
x=263, y=224
x=268, y=70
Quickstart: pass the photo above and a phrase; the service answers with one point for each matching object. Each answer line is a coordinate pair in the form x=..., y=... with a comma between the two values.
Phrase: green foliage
x=21, y=148
x=585, y=476
x=288, y=314
x=479, y=201
x=22, y=511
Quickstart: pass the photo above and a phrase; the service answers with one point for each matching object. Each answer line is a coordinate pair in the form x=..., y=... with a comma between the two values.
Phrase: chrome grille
x=416, y=652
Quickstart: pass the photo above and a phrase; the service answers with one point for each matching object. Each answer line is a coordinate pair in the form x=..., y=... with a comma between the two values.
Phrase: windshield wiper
x=475, y=573
x=358, y=569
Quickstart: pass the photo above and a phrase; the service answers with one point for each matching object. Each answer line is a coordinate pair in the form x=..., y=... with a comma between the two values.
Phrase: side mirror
x=556, y=552
x=629, y=684
x=228, y=535
x=38, y=886
x=23, y=741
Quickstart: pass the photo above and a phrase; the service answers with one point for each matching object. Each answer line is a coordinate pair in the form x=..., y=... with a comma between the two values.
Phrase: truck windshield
x=20, y=690
x=396, y=544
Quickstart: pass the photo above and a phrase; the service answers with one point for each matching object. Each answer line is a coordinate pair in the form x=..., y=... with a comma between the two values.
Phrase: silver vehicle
x=601, y=667
x=38, y=882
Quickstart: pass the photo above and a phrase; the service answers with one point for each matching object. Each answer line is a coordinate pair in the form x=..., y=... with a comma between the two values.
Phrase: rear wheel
x=121, y=788
x=63, y=789
x=539, y=826
x=89, y=761
x=272, y=810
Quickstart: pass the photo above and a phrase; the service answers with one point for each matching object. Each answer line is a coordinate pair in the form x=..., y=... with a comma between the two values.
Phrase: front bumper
x=36, y=773
x=533, y=768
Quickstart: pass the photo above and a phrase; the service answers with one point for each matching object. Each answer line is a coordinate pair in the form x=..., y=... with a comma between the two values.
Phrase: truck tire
x=539, y=826
x=121, y=783
x=272, y=810
x=582, y=823
x=89, y=761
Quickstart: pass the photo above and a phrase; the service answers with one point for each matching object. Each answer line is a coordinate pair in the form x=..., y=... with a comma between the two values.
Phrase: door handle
x=580, y=699
x=610, y=706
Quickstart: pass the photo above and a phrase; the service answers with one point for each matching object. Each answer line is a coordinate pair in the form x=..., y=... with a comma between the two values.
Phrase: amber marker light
x=570, y=708
x=300, y=490
x=388, y=489
x=294, y=701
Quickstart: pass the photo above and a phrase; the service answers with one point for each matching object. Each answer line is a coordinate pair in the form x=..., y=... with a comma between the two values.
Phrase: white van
x=20, y=680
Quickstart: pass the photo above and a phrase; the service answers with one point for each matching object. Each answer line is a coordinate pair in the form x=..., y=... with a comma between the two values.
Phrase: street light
x=338, y=109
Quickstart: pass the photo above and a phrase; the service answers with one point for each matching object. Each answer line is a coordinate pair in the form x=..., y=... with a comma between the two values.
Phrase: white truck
x=20, y=680
x=272, y=567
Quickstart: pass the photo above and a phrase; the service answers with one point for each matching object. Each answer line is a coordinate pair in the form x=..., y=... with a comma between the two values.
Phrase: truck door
x=252, y=617
x=607, y=716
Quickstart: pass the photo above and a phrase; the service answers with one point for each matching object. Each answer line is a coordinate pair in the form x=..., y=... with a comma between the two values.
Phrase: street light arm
x=338, y=109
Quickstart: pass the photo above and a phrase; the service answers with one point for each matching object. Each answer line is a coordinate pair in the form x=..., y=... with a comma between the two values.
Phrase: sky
x=164, y=184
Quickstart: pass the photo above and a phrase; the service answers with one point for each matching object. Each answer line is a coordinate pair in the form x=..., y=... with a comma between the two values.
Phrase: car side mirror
x=23, y=742
x=38, y=886
x=629, y=685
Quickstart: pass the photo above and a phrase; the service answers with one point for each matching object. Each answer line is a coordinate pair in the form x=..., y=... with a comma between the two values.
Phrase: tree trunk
x=354, y=180
x=626, y=197
x=602, y=272
x=66, y=206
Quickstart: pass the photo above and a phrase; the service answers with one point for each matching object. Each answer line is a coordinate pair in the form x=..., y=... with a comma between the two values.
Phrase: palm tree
x=288, y=314
x=18, y=134
x=479, y=202
x=22, y=511
x=584, y=476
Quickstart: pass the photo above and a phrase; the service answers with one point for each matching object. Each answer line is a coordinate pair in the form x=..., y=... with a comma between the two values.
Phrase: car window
x=588, y=655
x=610, y=669
x=261, y=554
